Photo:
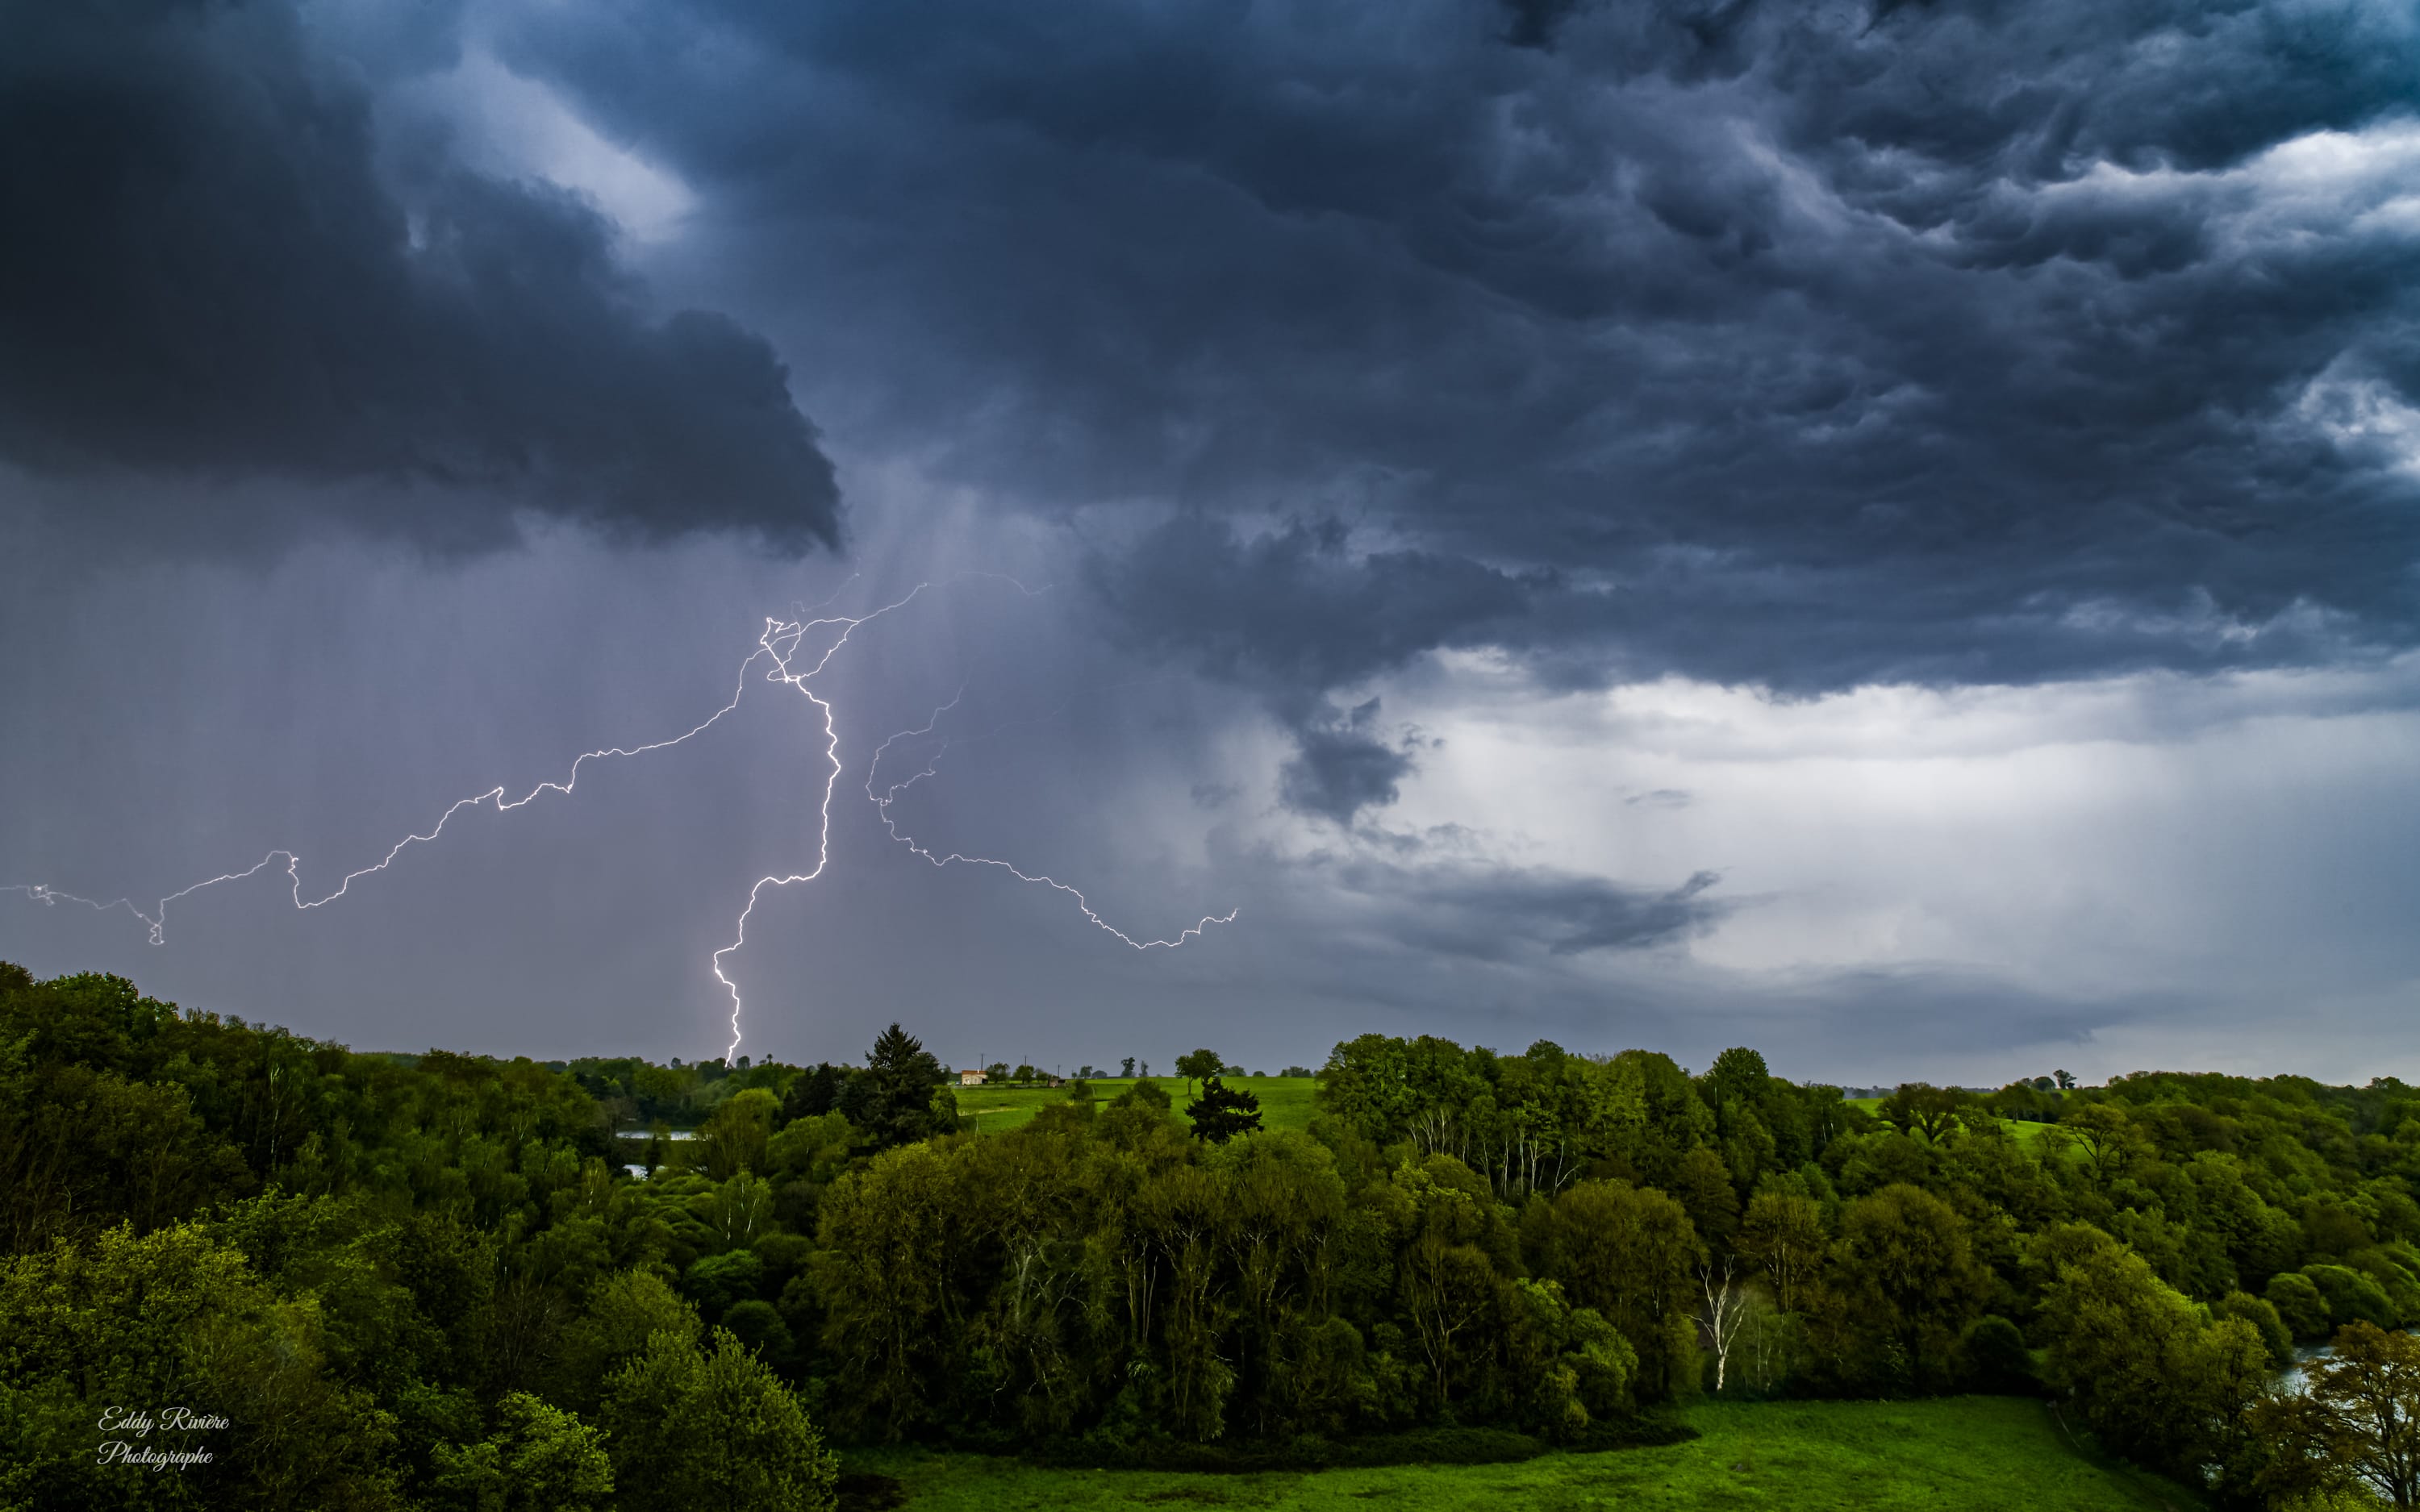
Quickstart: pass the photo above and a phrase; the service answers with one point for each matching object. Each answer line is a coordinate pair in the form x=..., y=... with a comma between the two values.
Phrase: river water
x=638, y=1168
x=2296, y=1377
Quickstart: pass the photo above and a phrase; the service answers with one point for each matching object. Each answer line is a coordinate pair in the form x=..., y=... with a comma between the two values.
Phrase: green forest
x=244, y=1268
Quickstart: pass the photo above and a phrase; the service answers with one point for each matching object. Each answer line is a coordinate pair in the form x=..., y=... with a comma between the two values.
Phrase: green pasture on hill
x=1960, y=1454
x=1286, y=1102
x=2023, y=1129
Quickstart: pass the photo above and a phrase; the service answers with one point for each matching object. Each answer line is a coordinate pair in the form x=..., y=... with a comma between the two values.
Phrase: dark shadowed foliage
x=440, y=1262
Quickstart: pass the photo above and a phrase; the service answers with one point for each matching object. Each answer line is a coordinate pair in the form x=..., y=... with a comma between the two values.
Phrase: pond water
x=638, y=1168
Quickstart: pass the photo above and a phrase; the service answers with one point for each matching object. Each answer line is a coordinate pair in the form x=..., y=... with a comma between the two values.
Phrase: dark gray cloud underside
x=1500, y=914
x=1294, y=613
x=1798, y=345
x=1340, y=767
x=208, y=274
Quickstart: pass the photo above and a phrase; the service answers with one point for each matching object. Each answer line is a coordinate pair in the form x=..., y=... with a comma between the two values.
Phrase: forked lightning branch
x=782, y=656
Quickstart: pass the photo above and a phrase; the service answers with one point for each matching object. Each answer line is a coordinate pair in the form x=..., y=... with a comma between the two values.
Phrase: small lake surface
x=638, y=1168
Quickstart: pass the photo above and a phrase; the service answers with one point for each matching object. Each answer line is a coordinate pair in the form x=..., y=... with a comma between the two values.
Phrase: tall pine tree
x=1223, y=1112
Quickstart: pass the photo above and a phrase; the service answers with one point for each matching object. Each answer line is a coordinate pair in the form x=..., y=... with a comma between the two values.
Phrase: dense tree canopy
x=436, y=1280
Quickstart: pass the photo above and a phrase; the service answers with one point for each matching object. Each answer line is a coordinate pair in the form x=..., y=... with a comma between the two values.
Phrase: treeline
x=635, y=1093
x=2149, y=1251
x=430, y=1281
x=396, y=1281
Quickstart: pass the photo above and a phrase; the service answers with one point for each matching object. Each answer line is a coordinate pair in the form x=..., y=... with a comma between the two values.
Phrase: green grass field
x=2023, y=1131
x=1286, y=1102
x=1962, y=1453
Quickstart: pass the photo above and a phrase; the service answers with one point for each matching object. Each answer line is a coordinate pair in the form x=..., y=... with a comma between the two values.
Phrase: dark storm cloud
x=1489, y=913
x=1343, y=769
x=1927, y=1008
x=206, y=276
x=1799, y=346
x=1294, y=613
x=1296, y=608
x=1615, y=919
x=1532, y=22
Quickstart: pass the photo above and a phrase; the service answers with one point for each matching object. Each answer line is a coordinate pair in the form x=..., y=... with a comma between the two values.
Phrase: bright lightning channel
x=780, y=645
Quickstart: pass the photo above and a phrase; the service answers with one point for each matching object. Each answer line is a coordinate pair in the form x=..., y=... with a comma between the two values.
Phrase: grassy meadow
x=2021, y=1129
x=1286, y=1102
x=1958, y=1454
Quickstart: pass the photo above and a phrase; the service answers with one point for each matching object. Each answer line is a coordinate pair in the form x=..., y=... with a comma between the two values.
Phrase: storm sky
x=1887, y=532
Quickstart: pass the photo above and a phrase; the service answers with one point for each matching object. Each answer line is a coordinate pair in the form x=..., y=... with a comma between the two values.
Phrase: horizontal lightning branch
x=883, y=800
x=157, y=918
x=781, y=648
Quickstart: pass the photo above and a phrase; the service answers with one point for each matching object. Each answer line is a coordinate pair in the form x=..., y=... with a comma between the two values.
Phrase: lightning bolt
x=883, y=801
x=782, y=647
x=772, y=644
x=157, y=919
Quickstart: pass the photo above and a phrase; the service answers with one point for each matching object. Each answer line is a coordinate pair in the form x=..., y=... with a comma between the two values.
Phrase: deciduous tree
x=1197, y=1065
x=1628, y=1252
x=1905, y=1269
x=712, y=1426
x=1784, y=1234
x=540, y=1458
x=2362, y=1423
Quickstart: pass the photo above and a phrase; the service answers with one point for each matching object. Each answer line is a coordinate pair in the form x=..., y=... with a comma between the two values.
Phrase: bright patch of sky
x=512, y=127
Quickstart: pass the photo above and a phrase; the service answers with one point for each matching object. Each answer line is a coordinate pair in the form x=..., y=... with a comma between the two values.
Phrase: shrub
x=1992, y=1358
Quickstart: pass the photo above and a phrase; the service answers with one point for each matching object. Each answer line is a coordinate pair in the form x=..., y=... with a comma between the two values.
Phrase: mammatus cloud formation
x=1451, y=410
